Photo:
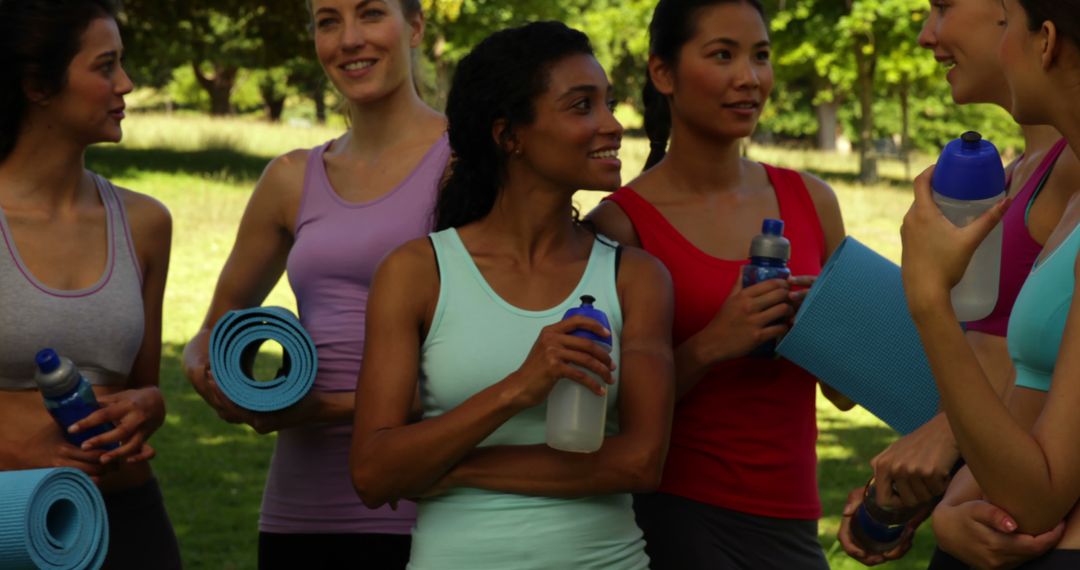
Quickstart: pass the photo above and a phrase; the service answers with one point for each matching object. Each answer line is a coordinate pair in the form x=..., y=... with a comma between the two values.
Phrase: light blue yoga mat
x=51, y=519
x=854, y=332
x=236, y=339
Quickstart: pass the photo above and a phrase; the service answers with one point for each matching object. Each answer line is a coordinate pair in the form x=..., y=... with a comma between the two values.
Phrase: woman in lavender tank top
x=79, y=257
x=327, y=216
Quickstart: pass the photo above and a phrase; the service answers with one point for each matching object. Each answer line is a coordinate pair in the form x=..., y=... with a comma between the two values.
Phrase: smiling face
x=574, y=138
x=964, y=35
x=91, y=104
x=723, y=76
x=365, y=46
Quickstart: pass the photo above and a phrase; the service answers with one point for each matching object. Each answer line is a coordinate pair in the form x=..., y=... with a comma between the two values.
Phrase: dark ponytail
x=38, y=40
x=671, y=27
x=657, y=122
x=498, y=80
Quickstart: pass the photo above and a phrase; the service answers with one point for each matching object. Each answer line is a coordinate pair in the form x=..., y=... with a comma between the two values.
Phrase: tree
x=216, y=38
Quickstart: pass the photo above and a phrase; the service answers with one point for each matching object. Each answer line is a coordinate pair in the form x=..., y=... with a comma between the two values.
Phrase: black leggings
x=140, y=533
x=682, y=534
x=1053, y=560
x=333, y=551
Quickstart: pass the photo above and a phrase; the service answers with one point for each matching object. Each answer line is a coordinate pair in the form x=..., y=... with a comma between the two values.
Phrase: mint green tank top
x=477, y=339
x=1037, y=322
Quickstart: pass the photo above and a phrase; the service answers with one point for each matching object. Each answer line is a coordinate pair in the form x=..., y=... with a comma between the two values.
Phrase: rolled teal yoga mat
x=236, y=339
x=854, y=332
x=51, y=519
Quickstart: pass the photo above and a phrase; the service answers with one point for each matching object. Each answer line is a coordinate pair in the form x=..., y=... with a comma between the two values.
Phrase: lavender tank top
x=1018, y=249
x=337, y=246
x=100, y=328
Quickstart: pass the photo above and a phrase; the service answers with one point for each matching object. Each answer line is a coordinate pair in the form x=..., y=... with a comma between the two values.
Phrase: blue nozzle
x=772, y=227
x=47, y=360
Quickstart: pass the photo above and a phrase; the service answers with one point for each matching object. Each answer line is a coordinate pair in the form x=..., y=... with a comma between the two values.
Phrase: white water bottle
x=969, y=180
x=575, y=414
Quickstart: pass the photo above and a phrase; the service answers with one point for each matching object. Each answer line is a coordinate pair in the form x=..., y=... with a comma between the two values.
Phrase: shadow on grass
x=212, y=475
x=221, y=163
x=845, y=449
x=852, y=178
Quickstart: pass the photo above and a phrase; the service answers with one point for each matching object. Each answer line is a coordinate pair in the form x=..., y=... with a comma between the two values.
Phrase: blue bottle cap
x=771, y=243
x=772, y=227
x=587, y=310
x=969, y=168
x=47, y=360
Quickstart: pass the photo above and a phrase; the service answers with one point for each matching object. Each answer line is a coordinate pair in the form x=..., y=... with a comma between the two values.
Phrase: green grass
x=212, y=473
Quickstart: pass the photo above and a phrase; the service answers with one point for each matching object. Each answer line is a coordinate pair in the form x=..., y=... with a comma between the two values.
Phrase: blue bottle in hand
x=68, y=396
x=769, y=254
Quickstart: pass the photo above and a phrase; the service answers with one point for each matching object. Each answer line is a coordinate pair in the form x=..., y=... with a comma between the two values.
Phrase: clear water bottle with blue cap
x=68, y=396
x=576, y=415
x=969, y=179
x=769, y=255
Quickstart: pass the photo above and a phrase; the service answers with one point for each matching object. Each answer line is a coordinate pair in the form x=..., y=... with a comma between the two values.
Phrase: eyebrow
x=359, y=6
x=733, y=43
x=112, y=54
x=581, y=89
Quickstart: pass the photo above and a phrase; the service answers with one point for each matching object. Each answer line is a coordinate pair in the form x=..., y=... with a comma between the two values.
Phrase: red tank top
x=744, y=437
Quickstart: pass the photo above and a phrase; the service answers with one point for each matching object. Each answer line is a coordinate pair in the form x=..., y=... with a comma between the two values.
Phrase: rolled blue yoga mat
x=236, y=339
x=854, y=332
x=51, y=519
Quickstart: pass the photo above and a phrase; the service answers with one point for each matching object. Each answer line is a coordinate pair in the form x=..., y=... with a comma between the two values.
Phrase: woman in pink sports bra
x=965, y=34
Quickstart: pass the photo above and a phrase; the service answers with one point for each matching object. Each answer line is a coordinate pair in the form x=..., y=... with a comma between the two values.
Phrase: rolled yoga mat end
x=854, y=332
x=51, y=519
x=236, y=339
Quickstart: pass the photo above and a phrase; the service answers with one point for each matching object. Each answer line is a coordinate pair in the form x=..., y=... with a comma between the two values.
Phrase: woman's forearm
x=402, y=462
x=621, y=466
x=1006, y=460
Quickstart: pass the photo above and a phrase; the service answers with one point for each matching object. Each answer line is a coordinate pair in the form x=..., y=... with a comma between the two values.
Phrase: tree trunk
x=905, y=126
x=828, y=123
x=274, y=107
x=219, y=87
x=444, y=74
x=318, y=94
x=866, y=64
x=273, y=98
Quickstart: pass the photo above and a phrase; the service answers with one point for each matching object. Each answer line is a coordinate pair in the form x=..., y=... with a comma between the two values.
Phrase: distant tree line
x=845, y=69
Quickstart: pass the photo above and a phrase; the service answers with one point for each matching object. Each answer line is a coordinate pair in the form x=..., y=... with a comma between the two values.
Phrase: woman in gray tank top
x=327, y=215
x=82, y=266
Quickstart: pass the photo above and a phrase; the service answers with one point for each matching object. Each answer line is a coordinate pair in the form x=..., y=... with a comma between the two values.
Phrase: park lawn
x=212, y=473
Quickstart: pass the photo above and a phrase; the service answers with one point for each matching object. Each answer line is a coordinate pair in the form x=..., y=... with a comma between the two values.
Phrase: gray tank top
x=100, y=328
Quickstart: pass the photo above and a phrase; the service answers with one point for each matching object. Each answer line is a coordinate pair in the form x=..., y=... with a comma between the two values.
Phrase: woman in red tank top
x=739, y=488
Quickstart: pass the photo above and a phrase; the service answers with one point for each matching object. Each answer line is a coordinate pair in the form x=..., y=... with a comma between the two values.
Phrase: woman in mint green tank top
x=1034, y=475
x=468, y=322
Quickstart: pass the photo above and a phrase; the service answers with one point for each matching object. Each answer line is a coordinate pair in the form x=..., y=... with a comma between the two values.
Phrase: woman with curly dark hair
x=470, y=317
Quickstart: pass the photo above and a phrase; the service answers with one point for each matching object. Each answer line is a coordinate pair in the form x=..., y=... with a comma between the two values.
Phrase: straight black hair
x=672, y=25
